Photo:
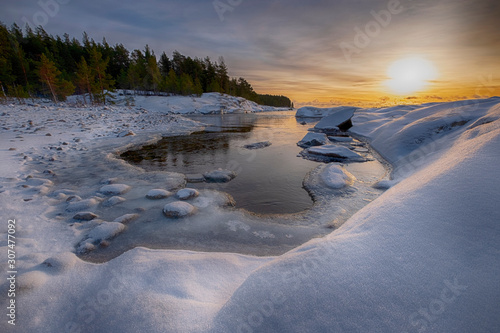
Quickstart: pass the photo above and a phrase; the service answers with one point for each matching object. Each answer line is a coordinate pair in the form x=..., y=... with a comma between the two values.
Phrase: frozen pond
x=269, y=180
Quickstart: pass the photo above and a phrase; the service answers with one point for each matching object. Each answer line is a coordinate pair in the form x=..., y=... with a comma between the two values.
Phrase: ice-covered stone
x=114, y=189
x=258, y=145
x=187, y=193
x=313, y=112
x=335, y=120
x=115, y=200
x=313, y=139
x=179, y=209
x=85, y=216
x=336, y=177
x=81, y=205
x=219, y=176
x=157, y=194
x=126, y=218
x=102, y=232
x=332, y=152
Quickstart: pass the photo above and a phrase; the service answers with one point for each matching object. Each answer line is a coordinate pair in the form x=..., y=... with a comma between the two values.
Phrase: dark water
x=269, y=180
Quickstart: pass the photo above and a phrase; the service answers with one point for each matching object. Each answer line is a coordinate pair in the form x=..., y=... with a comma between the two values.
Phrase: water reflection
x=269, y=180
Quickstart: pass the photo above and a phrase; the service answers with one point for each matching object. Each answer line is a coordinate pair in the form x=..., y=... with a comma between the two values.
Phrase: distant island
x=36, y=64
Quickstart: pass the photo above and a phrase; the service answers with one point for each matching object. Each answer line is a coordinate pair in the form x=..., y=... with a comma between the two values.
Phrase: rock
x=157, y=194
x=114, y=189
x=115, y=200
x=73, y=198
x=340, y=119
x=102, y=232
x=85, y=216
x=336, y=177
x=48, y=134
x=187, y=193
x=59, y=263
x=179, y=209
x=12, y=149
x=258, y=145
x=126, y=218
x=313, y=139
x=340, y=139
x=81, y=205
x=195, y=178
x=219, y=176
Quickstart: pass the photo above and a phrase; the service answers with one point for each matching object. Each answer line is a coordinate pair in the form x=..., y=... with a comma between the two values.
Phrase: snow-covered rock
x=82, y=205
x=336, y=177
x=313, y=112
x=126, y=218
x=340, y=139
x=313, y=139
x=332, y=153
x=187, y=193
x=258, y=145
x=114, y=189
x=333, y=121
x=102, y=232
x=219, y=176
x=157, y=194
x=85, y=216
x=114, y=200
x=178, y=209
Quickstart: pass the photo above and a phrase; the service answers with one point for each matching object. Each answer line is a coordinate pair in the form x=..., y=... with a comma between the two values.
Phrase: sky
x=317, y=52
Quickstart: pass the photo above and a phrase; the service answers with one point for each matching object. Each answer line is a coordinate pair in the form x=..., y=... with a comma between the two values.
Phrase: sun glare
x=410, y=75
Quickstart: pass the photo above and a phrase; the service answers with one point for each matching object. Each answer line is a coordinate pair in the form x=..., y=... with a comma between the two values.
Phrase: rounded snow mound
x=157, y=194
x=114, y=189
x=219, y=176
x=336, y=177
x=179, y=209
x=187, y=193
x=76, y=206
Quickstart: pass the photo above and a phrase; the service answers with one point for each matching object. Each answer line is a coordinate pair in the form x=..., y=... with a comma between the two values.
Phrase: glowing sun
x=410, y=75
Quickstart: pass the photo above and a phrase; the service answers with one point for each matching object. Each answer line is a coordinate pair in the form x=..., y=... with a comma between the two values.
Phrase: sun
x=410, y=75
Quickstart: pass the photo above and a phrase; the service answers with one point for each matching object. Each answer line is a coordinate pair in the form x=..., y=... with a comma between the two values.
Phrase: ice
x=126, y=218
x=114, y=200
x=258, y=145
x=219, y=176
x=332, y=152
x=114, y=189
x=187, y=193
x=157, y=194
x=336, y=177
x=179, y=209
x=313, y=139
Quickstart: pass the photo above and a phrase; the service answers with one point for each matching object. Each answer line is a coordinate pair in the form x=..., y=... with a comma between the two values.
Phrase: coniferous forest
x=36, y=64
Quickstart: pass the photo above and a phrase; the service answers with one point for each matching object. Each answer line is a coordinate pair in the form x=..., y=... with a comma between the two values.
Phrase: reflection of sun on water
x=410, y=75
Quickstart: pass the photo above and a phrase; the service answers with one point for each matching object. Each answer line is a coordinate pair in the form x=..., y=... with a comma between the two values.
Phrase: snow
x=187, y=193
x=219, y=176
x=179, y=209
x=424, y=256
x=313, y=139
x=335, y=120
x=114, y=189
x=156, y=194
x=336, y=177
x=313, y=112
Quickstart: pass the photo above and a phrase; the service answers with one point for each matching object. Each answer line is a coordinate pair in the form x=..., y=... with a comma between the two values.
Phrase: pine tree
x=102, y=81
x=83, y=79
x=198, y=89
x=48, y=75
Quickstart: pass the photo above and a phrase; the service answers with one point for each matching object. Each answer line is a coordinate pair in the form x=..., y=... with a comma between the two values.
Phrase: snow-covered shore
x=423, y=257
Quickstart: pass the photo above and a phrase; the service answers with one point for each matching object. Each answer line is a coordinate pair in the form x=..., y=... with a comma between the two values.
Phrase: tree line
x=36, y=64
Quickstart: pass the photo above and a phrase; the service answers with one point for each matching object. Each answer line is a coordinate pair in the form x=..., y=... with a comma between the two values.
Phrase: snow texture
x=336, y=177
x=333, y=121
